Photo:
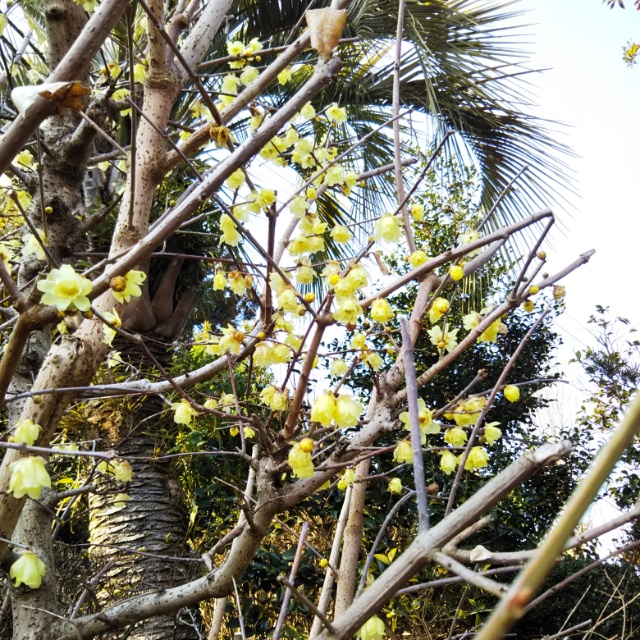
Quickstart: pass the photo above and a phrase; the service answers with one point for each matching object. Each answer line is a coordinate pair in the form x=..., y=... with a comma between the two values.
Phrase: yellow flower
x=183, y=412
x=210, y=403
x=373, y=359
x=491, y=432
x=358, y=341
x=219, y=281
x=347, y=411
x=512, y=393
x=455, y=436
x=236, y=179
x=31, y=246
x=387, y=229
x=559, y=292
x=456, y=272
x=372, y=629
x=447, y=340
x=395, y=486
x=448, y=462
x=403, y=452
x=339, y=368
x=28, y=569
x=124, y=291
x=266, y=198
x=66, y=289
x=425, y=420
x=439, y=307
x=490, y=334
x=284, y=76
x=254, y=46
x=471, y=320
x=341, y=234
x=300, y=462
x=324, y=409
x=528, y=305
x=288, y=300
x=417, y=211
x=109, y=333
x=305, y=275
x=381, y=311
x=249, y=432
x=334, y=175
x=467, y=412
x=26, y=432
x=28, y=476
x=231, y=339
x=237, y=282
x=477, y=459
x=275, y=399
x=230, y=234
x=348, y=311
x=249, y=75
x=336, y=114
x=299, y=206
x=118, y=469
x=307, y=445
x=417, y=258
x=235, y=48
x=348, y=478
x=307, y=112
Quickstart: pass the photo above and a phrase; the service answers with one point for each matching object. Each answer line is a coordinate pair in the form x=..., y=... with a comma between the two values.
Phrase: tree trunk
x=152, y=521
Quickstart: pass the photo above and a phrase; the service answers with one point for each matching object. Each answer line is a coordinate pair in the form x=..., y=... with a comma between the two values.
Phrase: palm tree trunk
x=152, y=521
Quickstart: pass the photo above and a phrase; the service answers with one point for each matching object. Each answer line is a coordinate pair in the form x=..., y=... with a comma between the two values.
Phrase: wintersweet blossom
x=490, y=334
x=425, y=420
x=372, y=629
x=466, y=412
x=324, y=409
x=447, y=340
x=300, y=462
x=284, y=76
x=477, y=459
x=26, y=432
x=299, y=207
x=28, y=476
x=288, y=300
x=236, y=282
x=491, y=432
x=448, y=462
x=341, y=234
x=395, y=486
x=231, y=339
x=439, y=307
x=183, y=412
x=373, y=359
x=381, y=311
x=471, y=320
x=455, y=436
x=219, y=281
x=28, y=569
x=128, y=286
x=230, y=234
x=249, y=75
x=235, y=48
x=347, y=479
x=417, y=211
x=456, y=272
x=66, y=290
x=336, y=114
x=31, y=246
x=511, y=393
x=339, y=367
x=275, y=399
x=348, y=311
x=347, y=412
x=236, y=179
x=417, y=258
x=387, y=229
x=403, y=452
x=109, y=332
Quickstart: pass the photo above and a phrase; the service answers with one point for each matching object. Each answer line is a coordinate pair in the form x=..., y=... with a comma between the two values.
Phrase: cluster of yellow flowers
x=344, y=411
x=275, y=399
x=299, y=458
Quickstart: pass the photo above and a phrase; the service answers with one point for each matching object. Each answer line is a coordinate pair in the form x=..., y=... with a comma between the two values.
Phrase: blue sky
x=596, y=96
